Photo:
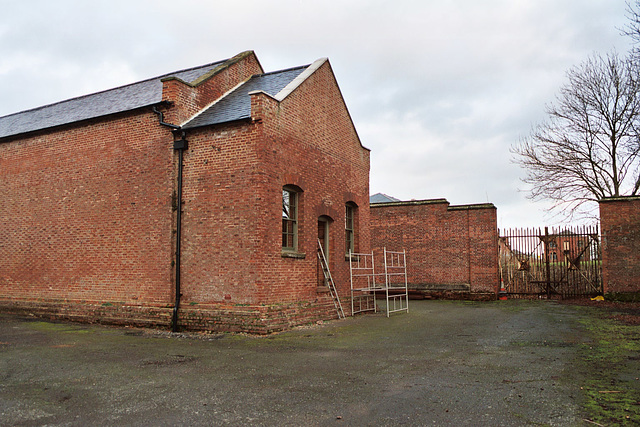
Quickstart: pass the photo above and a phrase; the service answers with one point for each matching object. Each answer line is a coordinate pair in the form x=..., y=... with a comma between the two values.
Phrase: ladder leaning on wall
x=328, y=279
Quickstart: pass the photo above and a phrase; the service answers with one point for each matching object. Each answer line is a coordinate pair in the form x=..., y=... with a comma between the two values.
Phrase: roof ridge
x=293, y=85
x=281, y=71
x=113, y=88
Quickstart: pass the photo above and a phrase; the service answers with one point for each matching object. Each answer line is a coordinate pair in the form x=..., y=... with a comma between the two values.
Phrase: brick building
x=196, y=199
x=567, y=245
x=452, y=251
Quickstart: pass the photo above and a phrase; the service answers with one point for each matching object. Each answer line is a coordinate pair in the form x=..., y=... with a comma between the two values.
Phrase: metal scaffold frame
x=363, y=282
x=395, y=273
x=366, y=282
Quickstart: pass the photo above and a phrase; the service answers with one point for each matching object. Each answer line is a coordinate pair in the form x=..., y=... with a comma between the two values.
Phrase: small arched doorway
x=324, y=223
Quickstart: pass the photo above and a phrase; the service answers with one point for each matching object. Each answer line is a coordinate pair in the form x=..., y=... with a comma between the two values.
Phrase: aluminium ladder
x=328, y=279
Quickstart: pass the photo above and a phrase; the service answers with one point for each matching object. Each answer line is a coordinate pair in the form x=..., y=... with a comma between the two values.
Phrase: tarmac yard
x=503, y=363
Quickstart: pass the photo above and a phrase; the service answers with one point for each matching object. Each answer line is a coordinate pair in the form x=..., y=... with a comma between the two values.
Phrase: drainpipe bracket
x=180, y=144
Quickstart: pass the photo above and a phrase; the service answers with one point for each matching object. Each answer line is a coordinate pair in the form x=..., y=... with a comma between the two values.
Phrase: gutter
x=178, y=145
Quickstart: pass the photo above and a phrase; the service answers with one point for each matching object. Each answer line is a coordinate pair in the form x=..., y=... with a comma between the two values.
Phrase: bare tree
x=588, y=149
x=633, y=26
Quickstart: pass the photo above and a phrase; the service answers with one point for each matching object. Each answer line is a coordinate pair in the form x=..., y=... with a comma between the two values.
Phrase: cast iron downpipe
x=179, y=145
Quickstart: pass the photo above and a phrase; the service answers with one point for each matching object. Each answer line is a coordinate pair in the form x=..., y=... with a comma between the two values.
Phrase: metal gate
x=556, y=263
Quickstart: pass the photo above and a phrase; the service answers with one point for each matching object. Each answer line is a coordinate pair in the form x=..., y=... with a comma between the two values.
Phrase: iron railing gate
x=556, y=263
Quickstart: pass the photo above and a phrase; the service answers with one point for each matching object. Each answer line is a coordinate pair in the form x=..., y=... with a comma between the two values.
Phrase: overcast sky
x=438, y=90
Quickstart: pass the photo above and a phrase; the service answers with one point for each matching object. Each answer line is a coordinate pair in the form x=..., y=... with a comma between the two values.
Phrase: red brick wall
x=620, y=229
x=220, y=215
x=446, y=245
x=89, y=212
x=234, y=174
x=187, y=99
x=86, y=213
x=312, y=143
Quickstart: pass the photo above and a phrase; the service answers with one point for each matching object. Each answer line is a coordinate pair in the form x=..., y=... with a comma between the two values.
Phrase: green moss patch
x=611, y=367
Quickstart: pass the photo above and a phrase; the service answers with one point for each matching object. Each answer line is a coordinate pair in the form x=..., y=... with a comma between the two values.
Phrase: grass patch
x=58, y=327
x=610, y=385
x=623, y=297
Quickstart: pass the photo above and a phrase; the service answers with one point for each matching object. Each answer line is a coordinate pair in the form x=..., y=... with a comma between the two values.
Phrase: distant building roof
x=382, y=198
x=117, y=100
x=236, y=105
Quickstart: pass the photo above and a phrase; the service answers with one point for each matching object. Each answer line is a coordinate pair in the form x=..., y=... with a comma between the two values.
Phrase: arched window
x=350, y=227
x=290, y=201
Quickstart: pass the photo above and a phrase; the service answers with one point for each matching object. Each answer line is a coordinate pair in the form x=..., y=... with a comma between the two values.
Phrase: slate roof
x=236, y=105
x=382, y=198
x=117, y=100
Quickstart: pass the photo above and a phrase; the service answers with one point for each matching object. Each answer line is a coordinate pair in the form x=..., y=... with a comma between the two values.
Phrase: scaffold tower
x=367, y=282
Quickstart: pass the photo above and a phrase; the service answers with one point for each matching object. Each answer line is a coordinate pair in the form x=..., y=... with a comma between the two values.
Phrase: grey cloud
x=438, y=90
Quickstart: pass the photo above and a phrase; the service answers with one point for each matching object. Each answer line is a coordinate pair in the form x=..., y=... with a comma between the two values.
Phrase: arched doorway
x=324, y=223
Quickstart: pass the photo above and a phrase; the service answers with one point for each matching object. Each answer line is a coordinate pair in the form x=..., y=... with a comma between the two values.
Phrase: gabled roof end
x=301, y=78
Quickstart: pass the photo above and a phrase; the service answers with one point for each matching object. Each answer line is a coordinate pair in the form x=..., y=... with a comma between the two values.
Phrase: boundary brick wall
x=452, y=251
x=620, y=229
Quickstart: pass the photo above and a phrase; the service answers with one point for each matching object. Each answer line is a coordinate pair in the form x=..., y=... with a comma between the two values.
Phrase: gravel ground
x=503, y=363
